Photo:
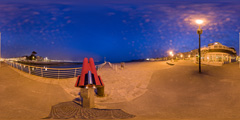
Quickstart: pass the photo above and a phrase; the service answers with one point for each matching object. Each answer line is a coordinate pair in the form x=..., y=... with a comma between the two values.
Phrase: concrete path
x=22, y=98
x=182, y=93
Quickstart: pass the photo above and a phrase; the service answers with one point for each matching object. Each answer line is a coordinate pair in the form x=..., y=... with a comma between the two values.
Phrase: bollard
x=100, y=91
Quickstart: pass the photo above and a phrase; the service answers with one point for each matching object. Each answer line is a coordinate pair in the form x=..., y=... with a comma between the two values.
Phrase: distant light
x=199, y=21
x=46, y=59
x=215, y=43
x=147, y=59
x=45, y=68
x=181, y=55
x=189, y=56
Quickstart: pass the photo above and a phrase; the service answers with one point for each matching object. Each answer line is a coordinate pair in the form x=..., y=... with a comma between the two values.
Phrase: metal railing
x=57, y=73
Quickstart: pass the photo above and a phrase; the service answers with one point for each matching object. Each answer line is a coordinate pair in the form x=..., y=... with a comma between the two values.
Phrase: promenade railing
x=57, y=73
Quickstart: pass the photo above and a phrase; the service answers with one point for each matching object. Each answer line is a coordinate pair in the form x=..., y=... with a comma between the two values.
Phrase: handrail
x=59, y=73
x=49, y=68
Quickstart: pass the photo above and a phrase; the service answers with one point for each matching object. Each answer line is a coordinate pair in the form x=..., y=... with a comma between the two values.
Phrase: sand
x=120, y=84
x=156, y=90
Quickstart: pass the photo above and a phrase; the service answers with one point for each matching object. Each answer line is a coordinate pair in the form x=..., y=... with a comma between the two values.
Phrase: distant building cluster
x=32, y=57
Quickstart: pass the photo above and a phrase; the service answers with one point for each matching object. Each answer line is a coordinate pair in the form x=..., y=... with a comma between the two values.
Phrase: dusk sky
x=118, y=30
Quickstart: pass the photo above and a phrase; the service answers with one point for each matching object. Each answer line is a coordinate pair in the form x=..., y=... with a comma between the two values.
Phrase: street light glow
x=199, y=22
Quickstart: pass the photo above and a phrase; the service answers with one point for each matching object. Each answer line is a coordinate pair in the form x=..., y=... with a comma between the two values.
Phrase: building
x=213, y=54
x=218, y=54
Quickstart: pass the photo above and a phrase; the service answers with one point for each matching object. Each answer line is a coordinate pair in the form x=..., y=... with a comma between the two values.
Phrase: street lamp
x=0, y=51
x=199, y=32
x=171, y=54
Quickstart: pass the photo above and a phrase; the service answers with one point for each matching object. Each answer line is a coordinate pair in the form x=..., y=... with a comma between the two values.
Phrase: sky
x=118, y=30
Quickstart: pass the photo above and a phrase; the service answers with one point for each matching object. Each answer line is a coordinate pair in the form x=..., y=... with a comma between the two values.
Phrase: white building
x=217, y=54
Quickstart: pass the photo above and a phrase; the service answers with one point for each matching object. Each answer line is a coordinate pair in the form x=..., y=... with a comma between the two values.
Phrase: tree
x=32, y=56
x=34, y=53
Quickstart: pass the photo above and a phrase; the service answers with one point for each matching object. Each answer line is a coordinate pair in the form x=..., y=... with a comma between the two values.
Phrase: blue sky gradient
x=117, y=30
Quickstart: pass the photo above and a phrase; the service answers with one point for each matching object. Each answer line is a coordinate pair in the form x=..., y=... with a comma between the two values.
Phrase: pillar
x=222, y=58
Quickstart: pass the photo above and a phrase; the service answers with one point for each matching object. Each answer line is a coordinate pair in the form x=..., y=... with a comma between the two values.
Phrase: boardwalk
x=22, y=98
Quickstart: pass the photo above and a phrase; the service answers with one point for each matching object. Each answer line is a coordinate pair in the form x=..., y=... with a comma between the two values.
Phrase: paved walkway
x=22, y=98
x=182, y=93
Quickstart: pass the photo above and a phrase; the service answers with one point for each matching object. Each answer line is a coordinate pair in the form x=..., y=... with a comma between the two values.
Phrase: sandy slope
x=23, y=98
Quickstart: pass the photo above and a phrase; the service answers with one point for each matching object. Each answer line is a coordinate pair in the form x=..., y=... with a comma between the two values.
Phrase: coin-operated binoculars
x=88, y=81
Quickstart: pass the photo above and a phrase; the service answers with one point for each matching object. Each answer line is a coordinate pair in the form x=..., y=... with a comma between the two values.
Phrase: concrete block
x=87, y=97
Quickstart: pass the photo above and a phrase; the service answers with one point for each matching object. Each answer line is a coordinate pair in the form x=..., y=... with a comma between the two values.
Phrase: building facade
x=216, y=53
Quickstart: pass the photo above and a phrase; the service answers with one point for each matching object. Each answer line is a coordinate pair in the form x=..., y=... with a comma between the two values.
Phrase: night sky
x=118, y=30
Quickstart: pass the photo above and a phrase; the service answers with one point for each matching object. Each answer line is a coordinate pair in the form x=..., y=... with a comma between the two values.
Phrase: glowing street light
x=199, y=21
x=171, y=54
x=199, y=32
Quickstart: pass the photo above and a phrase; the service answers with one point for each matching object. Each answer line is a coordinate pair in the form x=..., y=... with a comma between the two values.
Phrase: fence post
x=58, y=74
x=75, y=72
x=42, y=72
x=29, y=71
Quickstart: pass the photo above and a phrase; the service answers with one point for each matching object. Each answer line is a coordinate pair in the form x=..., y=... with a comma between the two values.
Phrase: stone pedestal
x=87, y=97
x=100, y=91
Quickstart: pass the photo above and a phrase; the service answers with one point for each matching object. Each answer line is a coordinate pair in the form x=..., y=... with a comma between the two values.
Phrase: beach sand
x=120, y=84
x=156, y=90
x=128, y=83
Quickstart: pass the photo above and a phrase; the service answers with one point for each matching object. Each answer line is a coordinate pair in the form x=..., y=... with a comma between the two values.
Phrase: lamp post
x=199, y=32
x=0, y=51
x=171, y=54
